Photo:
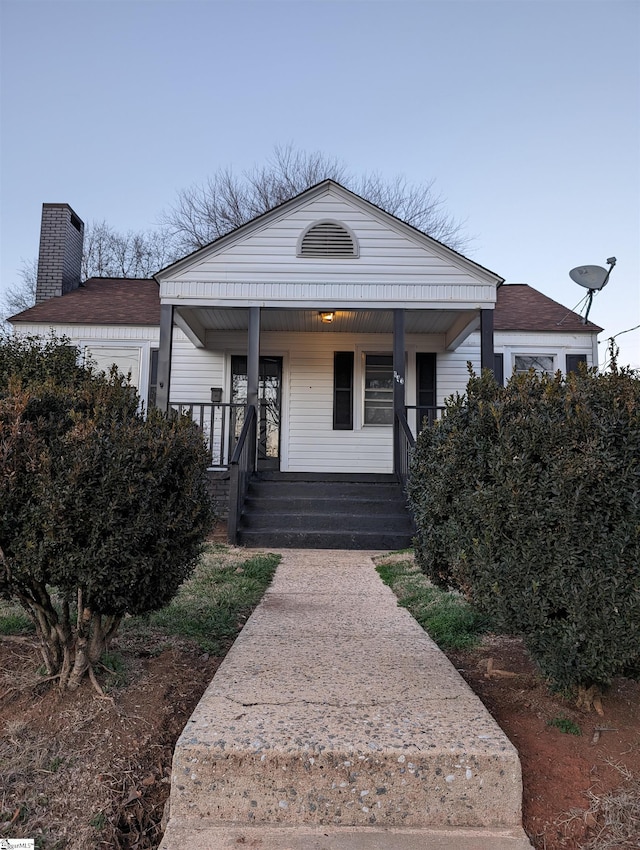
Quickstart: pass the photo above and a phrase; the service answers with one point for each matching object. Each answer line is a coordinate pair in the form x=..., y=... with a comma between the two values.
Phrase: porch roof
x=309, y=321
x=118, y=301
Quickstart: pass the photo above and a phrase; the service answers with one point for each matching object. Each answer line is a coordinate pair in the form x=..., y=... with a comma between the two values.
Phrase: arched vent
x=328, y=239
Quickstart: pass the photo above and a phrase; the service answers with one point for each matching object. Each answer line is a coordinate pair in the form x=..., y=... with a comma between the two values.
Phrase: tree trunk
x=90, y=645
x=590, y=699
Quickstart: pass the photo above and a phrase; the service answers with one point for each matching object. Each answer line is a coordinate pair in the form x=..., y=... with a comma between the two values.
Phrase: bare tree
x=20, y=296
x=106, y=253
x=109, y=253
x=225, y=201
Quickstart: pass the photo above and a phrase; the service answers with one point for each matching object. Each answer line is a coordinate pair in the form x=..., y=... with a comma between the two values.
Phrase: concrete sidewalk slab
x=334, y=709
x=196, y=837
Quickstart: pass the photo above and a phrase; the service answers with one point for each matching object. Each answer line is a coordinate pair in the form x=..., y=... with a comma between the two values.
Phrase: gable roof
x=317, y=192
x=99, y=301
x=520, y=307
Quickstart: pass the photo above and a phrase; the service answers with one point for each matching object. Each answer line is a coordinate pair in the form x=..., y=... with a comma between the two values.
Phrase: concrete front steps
x=335, y=723
x=325, y=511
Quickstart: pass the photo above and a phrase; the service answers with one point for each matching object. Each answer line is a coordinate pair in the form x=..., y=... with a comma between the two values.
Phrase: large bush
x=102, y=510
x=528, y=499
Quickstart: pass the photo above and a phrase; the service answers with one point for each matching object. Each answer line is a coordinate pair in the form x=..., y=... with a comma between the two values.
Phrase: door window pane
x=269, y=400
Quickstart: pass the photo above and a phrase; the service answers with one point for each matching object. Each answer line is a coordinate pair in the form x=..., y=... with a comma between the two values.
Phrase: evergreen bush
x=527, y=498
x=102, y=510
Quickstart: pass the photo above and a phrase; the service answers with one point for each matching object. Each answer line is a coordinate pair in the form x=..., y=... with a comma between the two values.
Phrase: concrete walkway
x=335, y=723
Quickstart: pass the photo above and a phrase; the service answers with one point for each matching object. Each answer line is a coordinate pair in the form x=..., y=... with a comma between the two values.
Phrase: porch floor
x=335, y=723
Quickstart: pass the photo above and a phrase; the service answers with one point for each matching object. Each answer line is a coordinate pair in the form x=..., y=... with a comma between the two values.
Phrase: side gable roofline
x=312, y=192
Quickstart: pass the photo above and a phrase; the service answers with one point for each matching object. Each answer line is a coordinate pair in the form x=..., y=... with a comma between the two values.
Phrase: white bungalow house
x=328, y=328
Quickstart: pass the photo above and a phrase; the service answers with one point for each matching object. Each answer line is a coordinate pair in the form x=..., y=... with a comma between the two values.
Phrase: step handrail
x=405, y=443
x=241, y=467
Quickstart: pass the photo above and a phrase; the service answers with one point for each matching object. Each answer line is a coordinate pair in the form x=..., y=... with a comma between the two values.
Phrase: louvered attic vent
x=327, y=239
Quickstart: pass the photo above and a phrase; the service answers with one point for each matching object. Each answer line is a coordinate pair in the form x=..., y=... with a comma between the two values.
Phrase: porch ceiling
x=308, y=321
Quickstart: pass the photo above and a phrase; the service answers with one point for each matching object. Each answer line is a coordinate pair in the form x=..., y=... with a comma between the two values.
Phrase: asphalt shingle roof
x=129, y=301
x=100, y=301
x=520, y=307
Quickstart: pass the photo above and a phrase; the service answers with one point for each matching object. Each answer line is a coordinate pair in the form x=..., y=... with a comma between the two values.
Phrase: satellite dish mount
x=593, y=278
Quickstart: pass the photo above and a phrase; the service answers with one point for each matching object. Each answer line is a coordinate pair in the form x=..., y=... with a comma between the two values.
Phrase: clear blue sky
x=526, y=112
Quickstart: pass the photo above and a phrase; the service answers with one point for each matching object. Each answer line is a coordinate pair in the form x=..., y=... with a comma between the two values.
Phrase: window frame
x=365, y=356
x=534, y=355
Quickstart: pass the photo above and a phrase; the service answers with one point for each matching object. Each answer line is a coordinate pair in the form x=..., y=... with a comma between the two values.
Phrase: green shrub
x=99, y=504
x=565, y=724
x=527, y=498
x=448, y=618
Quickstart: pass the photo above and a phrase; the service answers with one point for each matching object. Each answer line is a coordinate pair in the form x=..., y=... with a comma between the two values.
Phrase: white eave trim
x=336, y=303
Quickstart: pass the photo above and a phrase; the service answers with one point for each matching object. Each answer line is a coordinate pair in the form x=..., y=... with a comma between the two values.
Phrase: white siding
x=453, y=373
x=194, y=371
x=128, y=346
x=308, y=441
x=558, y=345
x=395, y=264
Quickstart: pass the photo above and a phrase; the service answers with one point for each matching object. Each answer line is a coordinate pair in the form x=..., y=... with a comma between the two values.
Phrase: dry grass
x=78, y=772
x=612, y=818
x=29, y=765
x=617, y=815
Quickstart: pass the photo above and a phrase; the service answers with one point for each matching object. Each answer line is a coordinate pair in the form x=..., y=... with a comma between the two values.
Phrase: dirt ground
x=566, y=777
x=84, y=772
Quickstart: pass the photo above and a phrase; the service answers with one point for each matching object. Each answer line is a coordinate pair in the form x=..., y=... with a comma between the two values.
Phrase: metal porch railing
x=220, y=424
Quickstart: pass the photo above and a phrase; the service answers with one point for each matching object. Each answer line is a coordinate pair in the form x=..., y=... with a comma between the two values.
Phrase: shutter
x=426, y=388
x=343, y=391
x=574, y=360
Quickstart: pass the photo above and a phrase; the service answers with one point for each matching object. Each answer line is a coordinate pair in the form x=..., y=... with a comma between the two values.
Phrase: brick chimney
x=60, y=256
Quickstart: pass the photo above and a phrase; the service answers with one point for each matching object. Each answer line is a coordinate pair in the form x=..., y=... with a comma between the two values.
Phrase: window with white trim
x=125, y=358
x=378, y=389
x=540, y=363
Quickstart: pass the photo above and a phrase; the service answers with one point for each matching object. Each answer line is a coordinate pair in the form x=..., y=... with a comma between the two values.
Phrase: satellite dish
x=591, y=277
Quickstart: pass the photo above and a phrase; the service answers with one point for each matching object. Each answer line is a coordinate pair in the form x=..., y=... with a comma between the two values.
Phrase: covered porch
x=316, y=338
x=336, y=391
x=384, y=373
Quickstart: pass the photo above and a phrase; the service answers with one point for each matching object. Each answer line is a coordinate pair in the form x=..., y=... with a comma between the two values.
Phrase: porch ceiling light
x=327, y=318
